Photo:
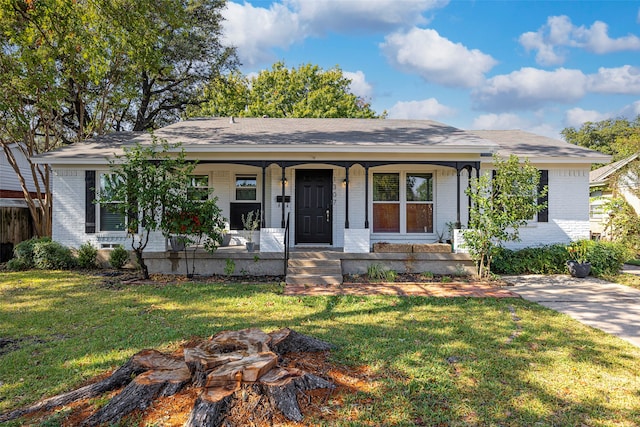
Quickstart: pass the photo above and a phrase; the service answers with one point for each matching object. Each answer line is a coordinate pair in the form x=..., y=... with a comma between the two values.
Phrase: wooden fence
x=16, y=225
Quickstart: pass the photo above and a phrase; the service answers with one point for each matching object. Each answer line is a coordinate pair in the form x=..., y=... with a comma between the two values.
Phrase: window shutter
x=543, y=215
x=90, y=196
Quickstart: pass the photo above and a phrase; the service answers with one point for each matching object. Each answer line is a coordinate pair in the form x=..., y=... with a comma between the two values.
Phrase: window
x=419, y=207
x=246, y=187
x=386, y=203
x=198, y=187
x=110, y=219
x=412, y=202
x=246, y=200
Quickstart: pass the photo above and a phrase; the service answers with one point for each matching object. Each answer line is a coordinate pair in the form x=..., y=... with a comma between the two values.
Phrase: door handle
x=328, y=214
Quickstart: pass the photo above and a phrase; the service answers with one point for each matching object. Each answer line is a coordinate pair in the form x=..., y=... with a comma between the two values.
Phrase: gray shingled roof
x=531, y=145
x=338, y=135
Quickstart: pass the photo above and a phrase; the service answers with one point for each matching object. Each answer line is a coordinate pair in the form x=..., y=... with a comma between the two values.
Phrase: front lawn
x=412, y=360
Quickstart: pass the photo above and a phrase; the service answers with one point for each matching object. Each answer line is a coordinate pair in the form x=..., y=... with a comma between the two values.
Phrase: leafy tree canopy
x=70, y=70
x=306, y=91
x=619, y=137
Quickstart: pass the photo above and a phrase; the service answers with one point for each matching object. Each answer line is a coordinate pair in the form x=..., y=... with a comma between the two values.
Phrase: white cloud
x=374, y=15
x=436, y=59
x=255, y=30
x=622, y=80
x=559, y=33
x=359, y=85
x=530, y=88
x=425, y=109
x=631, y=111
x=505, y=121
x=575, y=117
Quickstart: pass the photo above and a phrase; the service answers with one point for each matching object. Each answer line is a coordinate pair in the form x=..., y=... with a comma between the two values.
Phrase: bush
x=549, y=259
x=18, y=264
x=52, y=256
x=87, y=255
x=24, y=252
x=606, y=258
x=118, y=257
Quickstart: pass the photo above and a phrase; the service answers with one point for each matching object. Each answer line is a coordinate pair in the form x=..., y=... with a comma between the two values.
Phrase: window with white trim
x=403, y=209
x=246, y=187
x=110, y=219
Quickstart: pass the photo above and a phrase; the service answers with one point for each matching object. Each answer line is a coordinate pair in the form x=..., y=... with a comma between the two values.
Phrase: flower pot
x=176, y=243
x=250, y=246
x=579, y=269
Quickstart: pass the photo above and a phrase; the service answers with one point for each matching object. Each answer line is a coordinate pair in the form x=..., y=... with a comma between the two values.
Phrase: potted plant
x=578, y=265
x=193, y=223
x=250, y=223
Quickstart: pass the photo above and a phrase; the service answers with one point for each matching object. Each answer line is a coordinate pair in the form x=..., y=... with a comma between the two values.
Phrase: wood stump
x=220, y=367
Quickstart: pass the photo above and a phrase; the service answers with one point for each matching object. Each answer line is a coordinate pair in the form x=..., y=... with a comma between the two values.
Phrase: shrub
x=52, y=255
x=87, y=255
x=378, y=272
x=17, y=264
x=24, y=252
x=118, y=257
x=607, y=258
x=548, y=259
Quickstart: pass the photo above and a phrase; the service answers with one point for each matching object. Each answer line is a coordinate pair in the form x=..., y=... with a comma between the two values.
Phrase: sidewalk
x=610, y=307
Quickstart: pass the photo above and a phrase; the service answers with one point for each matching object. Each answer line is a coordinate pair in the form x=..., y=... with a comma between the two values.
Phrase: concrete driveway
x=610, y=307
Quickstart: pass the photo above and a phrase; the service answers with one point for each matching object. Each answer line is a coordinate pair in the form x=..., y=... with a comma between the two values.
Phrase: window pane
x=198, y=187
x=419, y=218
x=386, y=187
x=199, y=181
x=109, y=219
x=106, y=181
x=419, y=187
x=246, y=187
x=386, y=218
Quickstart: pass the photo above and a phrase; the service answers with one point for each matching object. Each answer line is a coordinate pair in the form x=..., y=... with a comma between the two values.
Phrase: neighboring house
x=16, y=224
x=606, y=183
x=344, y=183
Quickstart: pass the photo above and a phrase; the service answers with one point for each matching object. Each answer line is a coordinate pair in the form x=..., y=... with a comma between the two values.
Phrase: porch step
x=309, y=268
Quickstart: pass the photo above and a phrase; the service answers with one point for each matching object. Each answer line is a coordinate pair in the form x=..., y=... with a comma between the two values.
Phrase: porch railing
x=286, y=244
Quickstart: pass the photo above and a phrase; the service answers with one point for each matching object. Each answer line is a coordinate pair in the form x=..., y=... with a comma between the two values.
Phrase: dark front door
x=314, y=206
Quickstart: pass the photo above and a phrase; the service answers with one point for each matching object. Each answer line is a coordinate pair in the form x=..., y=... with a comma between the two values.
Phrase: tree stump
x=220, y=367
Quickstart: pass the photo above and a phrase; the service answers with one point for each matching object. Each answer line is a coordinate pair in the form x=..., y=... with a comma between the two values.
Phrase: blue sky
x=534, y=65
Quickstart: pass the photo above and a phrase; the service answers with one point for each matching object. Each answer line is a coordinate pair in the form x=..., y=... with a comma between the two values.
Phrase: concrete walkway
x=607, y=306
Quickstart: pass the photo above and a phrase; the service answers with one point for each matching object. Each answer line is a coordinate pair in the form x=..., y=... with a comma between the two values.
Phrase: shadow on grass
x=432, y=361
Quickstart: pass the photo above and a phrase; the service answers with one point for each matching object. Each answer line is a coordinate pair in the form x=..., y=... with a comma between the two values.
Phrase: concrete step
x=314, y=269
x=314, y=279
x=308, y=270
x=328, y=263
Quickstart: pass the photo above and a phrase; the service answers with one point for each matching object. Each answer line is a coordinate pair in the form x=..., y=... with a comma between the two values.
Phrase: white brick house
x=343, y=183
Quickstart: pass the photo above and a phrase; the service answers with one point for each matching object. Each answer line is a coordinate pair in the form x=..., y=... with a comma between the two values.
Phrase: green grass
x=453, y=362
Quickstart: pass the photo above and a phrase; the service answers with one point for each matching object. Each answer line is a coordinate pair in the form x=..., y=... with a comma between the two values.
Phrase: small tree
x=501, y=204
x=143, y=181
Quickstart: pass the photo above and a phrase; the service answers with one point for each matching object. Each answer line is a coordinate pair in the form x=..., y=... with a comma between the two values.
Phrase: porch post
x=264, y=197
x=282, y=223
x=346, y=195
x=366, y=195
x=458, y=224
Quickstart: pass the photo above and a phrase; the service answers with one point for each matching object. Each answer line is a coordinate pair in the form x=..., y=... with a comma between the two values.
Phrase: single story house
x=614, y=179
x=339, y=184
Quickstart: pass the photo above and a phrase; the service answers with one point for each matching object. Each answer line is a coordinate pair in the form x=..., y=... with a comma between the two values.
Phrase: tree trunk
x=222, y=366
